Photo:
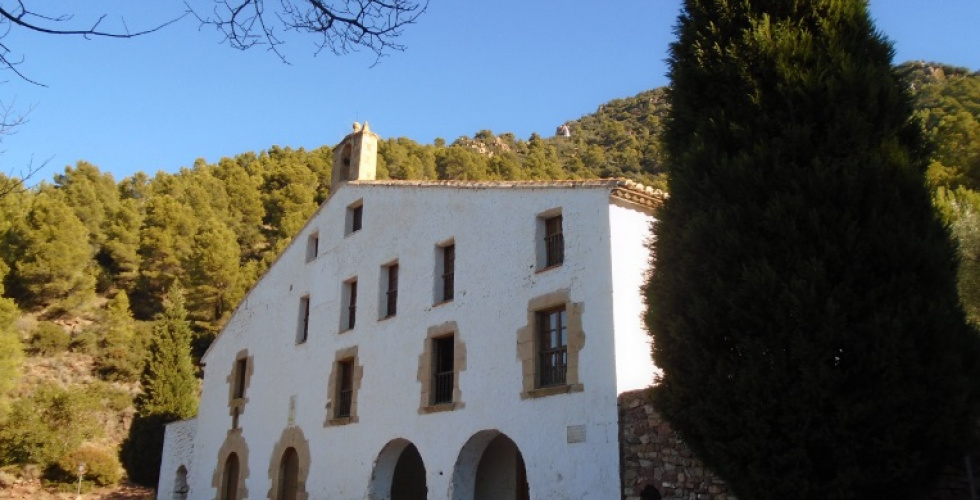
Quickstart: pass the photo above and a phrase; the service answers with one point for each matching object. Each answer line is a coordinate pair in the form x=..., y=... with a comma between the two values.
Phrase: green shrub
x=101, y=466
x=119, y=363
x=87, y=342
x=110, y=397
x=49, y=339
x=48, y=423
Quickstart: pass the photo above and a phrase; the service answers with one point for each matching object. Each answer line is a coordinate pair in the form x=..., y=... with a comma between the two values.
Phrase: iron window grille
x=554, y=241
x=444, y=370
x=392, y=293
x=448, y=272
x=552, y=346
x=305, y=320
x=352, y=305
x=346, y=389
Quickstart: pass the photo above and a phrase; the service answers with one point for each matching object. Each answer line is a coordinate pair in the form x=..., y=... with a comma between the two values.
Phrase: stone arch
x=399, y=473
x=231, y=472
x=234, y=446
x=650, y=493
x=180, y=484
x=489, y=466
x=294, y=473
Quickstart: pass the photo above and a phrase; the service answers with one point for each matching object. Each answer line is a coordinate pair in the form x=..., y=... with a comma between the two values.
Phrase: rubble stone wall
x=652, y=456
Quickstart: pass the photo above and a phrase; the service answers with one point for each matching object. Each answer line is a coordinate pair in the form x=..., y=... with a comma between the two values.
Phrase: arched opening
x=289, y=466
x=490, y=467
x=650, y=493
x=501, y=474
x=345, y=157
x=229, y=478
x=408, y=482
x=180, y=484
x=399, y=473
x=288, y=475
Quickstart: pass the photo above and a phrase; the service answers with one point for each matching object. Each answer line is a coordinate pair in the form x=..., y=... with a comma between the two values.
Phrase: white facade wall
x=629, y=236
x=496, y=276
x=178, y=450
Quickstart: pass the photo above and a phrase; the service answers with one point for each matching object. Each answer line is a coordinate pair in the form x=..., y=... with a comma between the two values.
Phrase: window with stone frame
x=241, y=367
x=342, y=387
x=552, y=346
x=549, y=345
x=345, y=388
x=238, y=381
x=443, y=369
x=441, y=364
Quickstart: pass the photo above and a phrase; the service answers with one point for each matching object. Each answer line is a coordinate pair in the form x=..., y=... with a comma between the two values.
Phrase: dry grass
x=34, y=491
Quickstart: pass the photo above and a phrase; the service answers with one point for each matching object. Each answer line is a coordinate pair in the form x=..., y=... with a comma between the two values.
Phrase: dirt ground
x=34, y=491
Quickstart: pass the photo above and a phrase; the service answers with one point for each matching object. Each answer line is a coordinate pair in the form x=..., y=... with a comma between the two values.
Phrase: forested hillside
x=88, y=260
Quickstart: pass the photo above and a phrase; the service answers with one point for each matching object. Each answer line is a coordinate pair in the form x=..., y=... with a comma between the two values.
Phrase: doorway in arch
x=288, y=475
x=490, y=467
x=229, y=480
x=399, y=473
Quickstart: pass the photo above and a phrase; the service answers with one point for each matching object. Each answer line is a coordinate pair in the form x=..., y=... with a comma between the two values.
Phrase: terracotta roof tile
x=623, y=189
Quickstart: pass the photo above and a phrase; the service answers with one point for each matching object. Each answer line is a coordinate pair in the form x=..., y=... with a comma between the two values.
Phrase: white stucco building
x=429, y=340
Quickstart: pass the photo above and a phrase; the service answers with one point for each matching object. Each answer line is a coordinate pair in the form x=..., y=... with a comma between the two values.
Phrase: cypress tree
x=803, y=301
x=169, y=391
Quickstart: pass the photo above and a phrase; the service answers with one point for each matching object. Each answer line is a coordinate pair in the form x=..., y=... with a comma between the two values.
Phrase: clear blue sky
x=161, y=101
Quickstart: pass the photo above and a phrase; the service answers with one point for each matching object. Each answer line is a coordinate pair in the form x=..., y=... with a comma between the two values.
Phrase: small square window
x=554, y=241
x=312, y=247
x=303, y=329
x=550, y=238
x=445, y=273
x=355, y=217
x=389, y=283
x=348, y=314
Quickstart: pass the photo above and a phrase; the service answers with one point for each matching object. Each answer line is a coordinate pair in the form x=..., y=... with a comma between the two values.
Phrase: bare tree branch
x=341, y=26
x=10, y=120
x=15, y=14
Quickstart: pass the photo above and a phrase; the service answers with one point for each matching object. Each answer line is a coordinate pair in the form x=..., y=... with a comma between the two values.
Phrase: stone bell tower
x=356, y=157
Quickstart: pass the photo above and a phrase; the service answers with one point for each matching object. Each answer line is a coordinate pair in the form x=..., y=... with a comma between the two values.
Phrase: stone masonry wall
x=652, y=455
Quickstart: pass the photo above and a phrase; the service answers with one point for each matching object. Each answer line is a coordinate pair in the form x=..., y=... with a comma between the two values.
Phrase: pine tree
x=11, y=350
x=51, y=265
x=169, y=391
x=166, y=240
x=214, y=274
x=121, y=355
x=119, y=255
x=803, y=303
